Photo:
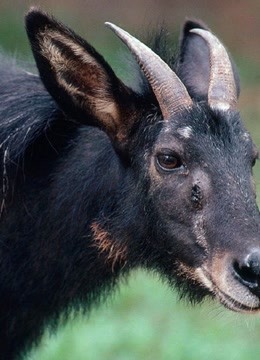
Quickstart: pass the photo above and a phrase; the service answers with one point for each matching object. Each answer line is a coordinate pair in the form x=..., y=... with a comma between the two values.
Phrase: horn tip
x=122, y=34
x=111, y=26
x=199, y=31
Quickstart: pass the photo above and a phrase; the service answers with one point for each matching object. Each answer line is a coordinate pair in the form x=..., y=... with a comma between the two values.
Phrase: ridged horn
x=222, y=92
x=168, y=89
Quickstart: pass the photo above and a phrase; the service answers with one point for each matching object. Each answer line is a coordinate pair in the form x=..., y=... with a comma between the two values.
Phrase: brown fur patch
x=115, y=254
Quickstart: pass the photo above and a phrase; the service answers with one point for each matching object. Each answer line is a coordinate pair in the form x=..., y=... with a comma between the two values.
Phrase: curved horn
x=222, y=92
x=168, y=89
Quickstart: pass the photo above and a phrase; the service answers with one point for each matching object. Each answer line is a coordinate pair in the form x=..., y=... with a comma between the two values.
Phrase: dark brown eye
x=169, y=162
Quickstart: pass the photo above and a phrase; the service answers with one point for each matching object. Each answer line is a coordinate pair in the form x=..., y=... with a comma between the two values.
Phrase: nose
x=247, y=271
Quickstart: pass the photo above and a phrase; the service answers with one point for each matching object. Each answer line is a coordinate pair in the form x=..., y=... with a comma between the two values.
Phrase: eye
x=169, y=161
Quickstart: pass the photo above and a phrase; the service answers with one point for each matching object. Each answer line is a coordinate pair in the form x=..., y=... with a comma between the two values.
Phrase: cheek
x=253, y=185
x=167, y=192
x=182, y=196
x=180, y=203
x=173, y=201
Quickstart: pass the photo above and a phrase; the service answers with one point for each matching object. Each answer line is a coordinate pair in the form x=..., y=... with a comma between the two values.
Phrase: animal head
x=186, y=157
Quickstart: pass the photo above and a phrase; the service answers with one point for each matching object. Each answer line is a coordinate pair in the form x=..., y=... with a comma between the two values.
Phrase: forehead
x=202, y=127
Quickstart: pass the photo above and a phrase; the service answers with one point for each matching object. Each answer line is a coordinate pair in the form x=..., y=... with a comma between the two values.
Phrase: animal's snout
x=247, y=271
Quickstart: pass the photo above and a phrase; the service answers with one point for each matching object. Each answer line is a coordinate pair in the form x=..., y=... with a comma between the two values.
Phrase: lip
x=226, y=300
x=234, y=305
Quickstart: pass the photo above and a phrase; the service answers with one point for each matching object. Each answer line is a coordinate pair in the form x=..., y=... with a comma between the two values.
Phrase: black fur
x=75, y=214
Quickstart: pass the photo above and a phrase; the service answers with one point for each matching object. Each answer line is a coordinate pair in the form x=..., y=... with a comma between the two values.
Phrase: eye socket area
x=255, y=156
x=168, y=161
x=254, y=161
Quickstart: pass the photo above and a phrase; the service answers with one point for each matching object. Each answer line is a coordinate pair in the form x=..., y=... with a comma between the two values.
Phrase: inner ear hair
x=79, y=74
x=78, y=78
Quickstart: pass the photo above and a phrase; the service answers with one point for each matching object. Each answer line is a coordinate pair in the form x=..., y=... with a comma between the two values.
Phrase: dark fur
x=61, y=175
x=40, y=166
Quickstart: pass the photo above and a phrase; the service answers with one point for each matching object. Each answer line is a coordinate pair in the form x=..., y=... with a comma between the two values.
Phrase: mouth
x=227, y=296
x=234, y=305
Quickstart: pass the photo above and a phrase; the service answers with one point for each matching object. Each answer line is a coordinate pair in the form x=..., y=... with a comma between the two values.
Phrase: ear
x=194, y=61
x=78, y=78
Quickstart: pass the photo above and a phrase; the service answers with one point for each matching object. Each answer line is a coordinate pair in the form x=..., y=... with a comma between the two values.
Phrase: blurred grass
x=144, y=320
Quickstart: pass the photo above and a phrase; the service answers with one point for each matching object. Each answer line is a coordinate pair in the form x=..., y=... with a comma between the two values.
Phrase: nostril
x=253, y=262
x=246, y=275
x=248, y=271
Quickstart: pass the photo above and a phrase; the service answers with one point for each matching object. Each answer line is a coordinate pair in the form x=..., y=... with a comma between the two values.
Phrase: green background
x=144, y=319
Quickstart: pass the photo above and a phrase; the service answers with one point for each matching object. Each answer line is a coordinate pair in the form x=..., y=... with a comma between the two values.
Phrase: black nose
x=247, y=271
